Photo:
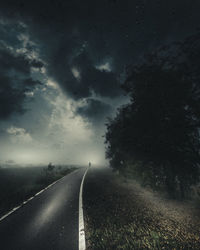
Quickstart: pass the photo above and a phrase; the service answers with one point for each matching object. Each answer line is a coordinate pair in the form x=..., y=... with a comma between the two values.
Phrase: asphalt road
x=48, y=222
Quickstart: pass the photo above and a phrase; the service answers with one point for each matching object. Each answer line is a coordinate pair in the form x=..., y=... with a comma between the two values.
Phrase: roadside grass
x=17, y=184
x=120, y=216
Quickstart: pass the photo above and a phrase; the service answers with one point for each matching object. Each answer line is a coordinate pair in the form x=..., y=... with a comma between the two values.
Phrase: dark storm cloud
x=89, y=79
x=83, y=34
x=36, y=64
x=95, y=110
x=15, y=82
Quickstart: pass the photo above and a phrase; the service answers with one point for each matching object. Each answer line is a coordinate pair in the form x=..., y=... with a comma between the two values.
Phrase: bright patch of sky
x=76, y=73
x=105, y=66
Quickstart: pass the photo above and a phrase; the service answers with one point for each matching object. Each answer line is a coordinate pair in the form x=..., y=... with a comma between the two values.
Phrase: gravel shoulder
x=121, y=215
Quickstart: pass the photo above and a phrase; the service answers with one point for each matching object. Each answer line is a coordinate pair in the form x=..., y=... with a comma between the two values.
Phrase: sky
x=61, y=67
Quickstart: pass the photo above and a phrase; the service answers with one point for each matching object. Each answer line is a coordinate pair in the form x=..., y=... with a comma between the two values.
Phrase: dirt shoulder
x=122, y=215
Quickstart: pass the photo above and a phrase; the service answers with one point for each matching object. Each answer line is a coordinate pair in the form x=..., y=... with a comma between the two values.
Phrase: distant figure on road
x=90, y=164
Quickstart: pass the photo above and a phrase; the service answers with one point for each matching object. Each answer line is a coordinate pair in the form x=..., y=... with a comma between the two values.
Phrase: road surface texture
x=47, y=222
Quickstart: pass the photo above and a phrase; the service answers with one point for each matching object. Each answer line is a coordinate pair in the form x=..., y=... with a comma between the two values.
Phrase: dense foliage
x=157, y=133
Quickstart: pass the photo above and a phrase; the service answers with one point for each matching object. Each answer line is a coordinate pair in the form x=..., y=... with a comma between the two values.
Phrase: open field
x=17, y=184
x=123, y=215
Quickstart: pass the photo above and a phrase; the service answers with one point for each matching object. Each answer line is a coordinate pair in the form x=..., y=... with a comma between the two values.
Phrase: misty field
x=120, y=214
x=17, y=184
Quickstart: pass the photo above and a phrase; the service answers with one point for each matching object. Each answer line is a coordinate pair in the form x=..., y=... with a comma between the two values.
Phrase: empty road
x=47, y=222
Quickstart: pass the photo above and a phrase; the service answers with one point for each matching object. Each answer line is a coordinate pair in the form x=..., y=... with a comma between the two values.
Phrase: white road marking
x=25, y=202
x=41, y=191
x=3, y=217
x=82, y=245
x=30, y=198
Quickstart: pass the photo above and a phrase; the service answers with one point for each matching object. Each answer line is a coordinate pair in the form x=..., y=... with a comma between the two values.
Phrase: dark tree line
x=158, y=133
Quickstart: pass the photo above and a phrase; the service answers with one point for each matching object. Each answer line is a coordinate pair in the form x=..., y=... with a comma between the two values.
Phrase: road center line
x=25, y=202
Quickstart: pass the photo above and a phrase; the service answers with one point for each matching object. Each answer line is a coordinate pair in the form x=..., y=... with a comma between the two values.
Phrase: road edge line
x=82, y=245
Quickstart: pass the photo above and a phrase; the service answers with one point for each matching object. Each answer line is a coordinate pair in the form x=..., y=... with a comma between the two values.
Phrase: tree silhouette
x=159, y=128
x=50, y=167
